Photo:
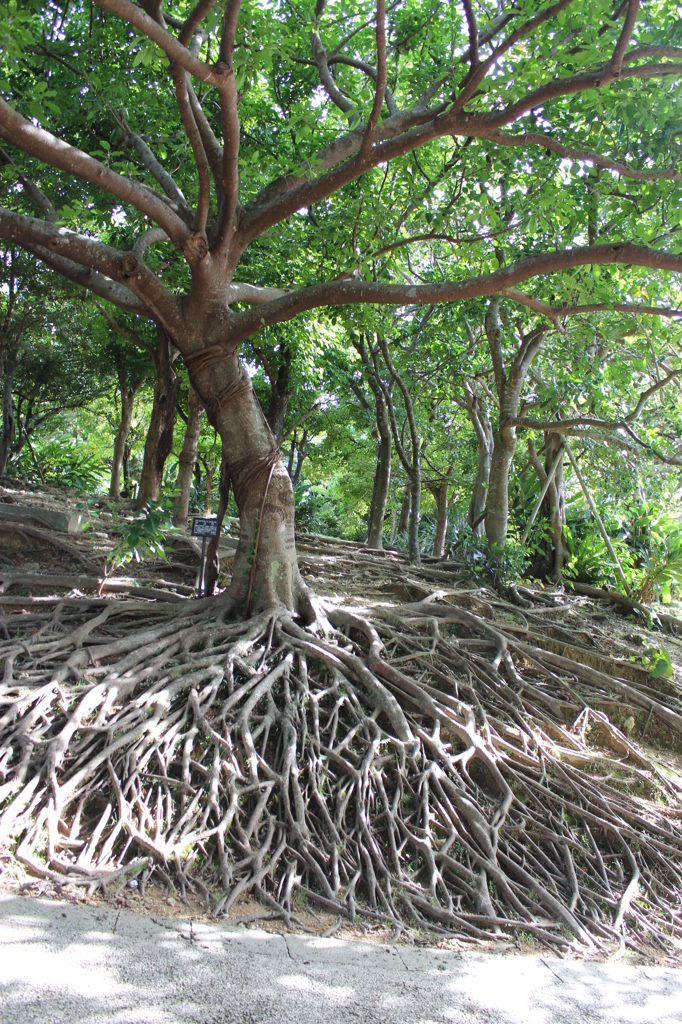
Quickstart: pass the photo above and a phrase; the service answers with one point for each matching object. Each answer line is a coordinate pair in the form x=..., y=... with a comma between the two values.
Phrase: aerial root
x=424, y=767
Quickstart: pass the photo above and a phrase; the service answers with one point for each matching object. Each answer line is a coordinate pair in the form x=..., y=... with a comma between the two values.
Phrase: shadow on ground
x=65, y=963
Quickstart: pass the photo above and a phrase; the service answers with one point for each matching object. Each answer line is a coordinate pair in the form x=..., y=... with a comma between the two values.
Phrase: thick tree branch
x=335, y=95
x=180, y=80
x=36, y=195
x=171, y=46
x=361, y=65
x=561, y=87
x=213, y=149
x=618, y=307
x=493, y=333
x=194, y=19
x=157, y=171
x=240, y=291
x=585, y=155
x=229, y=118
x=646, y=395
x=477, y=75
x=148, y=238
x=98, y=284
x=378, y=103
x=120, y=267
x=616, y=62
x=46, y=147
x=473, y=32
x=346, y=292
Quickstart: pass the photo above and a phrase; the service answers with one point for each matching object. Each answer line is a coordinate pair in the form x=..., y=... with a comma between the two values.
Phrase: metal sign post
x=204, y=528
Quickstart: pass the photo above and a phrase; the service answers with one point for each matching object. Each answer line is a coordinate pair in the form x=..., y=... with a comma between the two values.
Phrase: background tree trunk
x=127, y=403
x=159, y=442
x=480, y=419
x=553, y=505
x=188, y=456
x=405, y=505
x=11, y=359
x=440, y=493
x=382, y=478
x=416, y=499
x=504, y=439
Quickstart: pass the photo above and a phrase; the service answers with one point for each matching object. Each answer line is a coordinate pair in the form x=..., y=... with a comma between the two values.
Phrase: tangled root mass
x=422, y=765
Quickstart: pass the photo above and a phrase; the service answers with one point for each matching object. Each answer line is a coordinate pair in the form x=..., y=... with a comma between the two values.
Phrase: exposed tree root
x=423, y=764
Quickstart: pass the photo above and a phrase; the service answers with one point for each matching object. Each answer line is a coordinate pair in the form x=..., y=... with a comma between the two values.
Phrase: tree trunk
x=480, y=419
x=121, y=450
x=159, y=440
x=127, y=485
x=265, y=568
x=504, y=441
x=404, y=519
x=280, y=392
x=382, y=479
x=277, y=411
x=497, y=514
x=416, y=498
x=7, y=408
x=440, y=493
x=554, y=503
x=188, y=457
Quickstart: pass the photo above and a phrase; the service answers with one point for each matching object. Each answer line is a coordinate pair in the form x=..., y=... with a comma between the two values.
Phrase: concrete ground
x=62, y=963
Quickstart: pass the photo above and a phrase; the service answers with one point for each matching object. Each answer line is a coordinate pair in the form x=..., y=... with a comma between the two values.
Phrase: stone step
x=62, y=522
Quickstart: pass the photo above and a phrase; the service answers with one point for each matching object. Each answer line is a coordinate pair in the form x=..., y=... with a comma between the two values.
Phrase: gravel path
x=61, y=963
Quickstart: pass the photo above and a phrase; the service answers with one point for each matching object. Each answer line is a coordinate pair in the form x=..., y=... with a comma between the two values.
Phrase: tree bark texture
x=265, y=568
x=480, y=420
x=188, y=456
x=159, y=442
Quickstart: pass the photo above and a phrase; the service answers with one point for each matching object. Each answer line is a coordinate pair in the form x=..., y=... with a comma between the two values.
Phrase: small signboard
x=204, y=527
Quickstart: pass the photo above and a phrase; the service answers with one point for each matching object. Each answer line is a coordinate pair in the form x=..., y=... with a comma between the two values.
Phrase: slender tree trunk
x=554, y=503
x=159, y=440
x=382, y=478
x=277, y=411
x=504, y=440
x=121, y=441
x=7, y=408
x=480, y=419
x=188, y=456
x=265, y=568
x=441, y=495
x=127, y=399
x=497, y=514
x=127, y=483
x=416, y=498
x=280, y=393
x=209, y=490
x=411, y=466
x=405, y=505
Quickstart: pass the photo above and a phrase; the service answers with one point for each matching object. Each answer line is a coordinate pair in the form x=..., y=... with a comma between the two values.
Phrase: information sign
x=204, y=527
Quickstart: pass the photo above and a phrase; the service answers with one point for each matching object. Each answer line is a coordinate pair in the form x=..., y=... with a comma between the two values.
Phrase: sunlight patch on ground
x=302, y=983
